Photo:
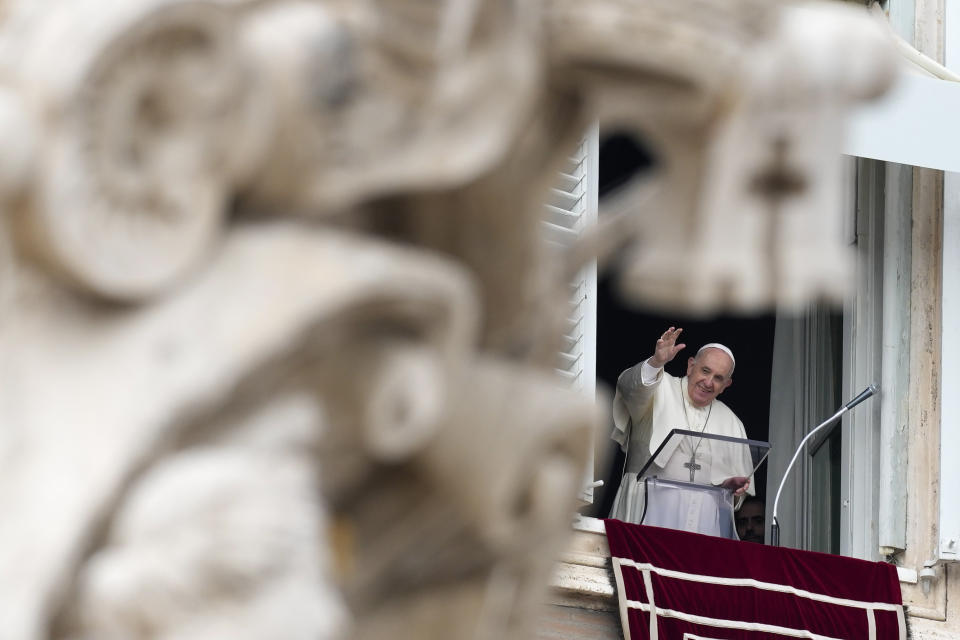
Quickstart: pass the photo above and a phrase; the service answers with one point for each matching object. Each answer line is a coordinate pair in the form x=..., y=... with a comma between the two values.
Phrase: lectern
x=685, y=494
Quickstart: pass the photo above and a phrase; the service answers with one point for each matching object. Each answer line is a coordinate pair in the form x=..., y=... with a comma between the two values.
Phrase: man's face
x=707, y=376
x=750, y=522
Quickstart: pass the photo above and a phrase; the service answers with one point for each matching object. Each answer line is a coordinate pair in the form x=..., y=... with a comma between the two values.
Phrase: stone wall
x=561, y=622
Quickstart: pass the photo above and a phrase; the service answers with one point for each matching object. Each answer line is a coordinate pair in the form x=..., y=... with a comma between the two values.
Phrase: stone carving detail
x=276, y=320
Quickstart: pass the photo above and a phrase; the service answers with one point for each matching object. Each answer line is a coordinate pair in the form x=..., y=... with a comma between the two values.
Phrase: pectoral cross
x=693, y=466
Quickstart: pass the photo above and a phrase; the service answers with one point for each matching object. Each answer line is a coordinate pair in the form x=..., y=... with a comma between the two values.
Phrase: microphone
x=775, y=526
x=866, y=393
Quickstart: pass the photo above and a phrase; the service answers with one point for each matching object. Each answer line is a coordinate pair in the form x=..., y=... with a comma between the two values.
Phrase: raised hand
x=667, y=348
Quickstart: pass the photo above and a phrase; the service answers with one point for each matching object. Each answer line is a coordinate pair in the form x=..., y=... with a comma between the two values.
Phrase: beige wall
x=935, y=612
x=560, y=622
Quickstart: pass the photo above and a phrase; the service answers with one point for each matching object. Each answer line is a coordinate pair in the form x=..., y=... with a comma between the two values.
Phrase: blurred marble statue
x=276, y=319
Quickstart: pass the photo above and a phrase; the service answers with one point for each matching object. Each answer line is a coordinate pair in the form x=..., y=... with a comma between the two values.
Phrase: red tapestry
x=674, y=585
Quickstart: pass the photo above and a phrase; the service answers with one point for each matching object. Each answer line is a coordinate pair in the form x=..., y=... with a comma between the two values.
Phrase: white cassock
x=649, y=403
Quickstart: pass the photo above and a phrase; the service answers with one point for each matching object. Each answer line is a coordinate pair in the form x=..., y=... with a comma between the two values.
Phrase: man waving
x=649, y=403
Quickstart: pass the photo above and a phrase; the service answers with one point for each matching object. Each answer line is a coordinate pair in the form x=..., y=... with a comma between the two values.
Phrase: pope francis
x=649, y=403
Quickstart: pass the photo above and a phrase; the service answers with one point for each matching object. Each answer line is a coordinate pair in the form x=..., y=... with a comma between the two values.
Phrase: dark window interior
x=627, y=335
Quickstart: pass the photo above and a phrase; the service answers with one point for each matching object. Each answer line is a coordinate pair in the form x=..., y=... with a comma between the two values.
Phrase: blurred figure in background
x=750, y=519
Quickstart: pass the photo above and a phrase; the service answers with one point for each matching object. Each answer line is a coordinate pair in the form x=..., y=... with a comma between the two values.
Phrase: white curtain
x=804, y=391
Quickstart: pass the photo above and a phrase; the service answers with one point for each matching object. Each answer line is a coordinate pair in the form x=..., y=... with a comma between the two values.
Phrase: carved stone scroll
x=384, y=98
x=147, y=123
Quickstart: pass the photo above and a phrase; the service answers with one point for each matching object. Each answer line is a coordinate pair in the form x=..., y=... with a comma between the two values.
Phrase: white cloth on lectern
x=690, y=508
x=648, y=404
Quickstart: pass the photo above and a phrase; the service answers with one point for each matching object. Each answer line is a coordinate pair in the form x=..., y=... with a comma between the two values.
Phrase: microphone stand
x=775, y=526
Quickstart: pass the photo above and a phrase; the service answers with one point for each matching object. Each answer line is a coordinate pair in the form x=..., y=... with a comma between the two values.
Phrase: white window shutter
x=572, y=208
